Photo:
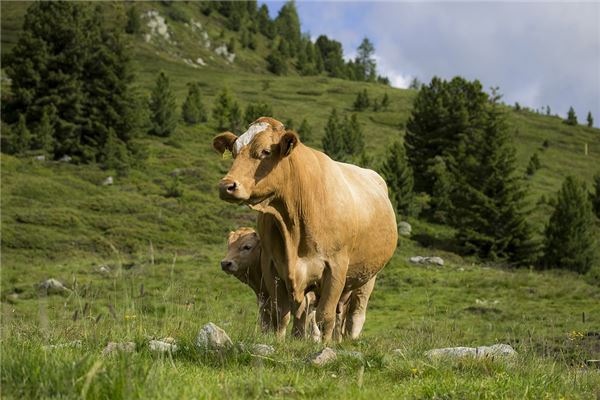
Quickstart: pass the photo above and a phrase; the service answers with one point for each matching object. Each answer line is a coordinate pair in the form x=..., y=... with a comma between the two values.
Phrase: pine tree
x=534, y=164
x=114, y=154
x=441, y=191
x=443, y=113
x=590, y=120
x=193, y=110
x=133, y=21
x=332, y=57
x=595, y=197
x=287, y=25
x=21, y=137
x=305, y=131
x=365, y=61
x=398, y=175
x=276, y=63
x=235, y=118
x=385, y=102
x=571, y=117
x=163, y=111
x=333, y=140
x=415, y=84
x=44, y=135
x=570, y=234
x=488, y=198
x=256, y=110
x=361, y=102
x=222, y=109
x=353, y=138
x=265, y=24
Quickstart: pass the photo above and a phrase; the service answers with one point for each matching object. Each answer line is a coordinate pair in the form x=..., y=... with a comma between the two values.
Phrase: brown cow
x=332, y=224
x=243, y=262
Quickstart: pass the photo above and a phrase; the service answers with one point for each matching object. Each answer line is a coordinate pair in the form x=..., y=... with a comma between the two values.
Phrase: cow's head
x=260, y=158
x=243, y=252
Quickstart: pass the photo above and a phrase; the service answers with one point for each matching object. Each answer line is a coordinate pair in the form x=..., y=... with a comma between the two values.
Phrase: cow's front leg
x=333, y=282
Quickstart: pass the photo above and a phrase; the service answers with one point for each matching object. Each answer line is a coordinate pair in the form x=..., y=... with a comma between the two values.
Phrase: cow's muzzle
x=230, y=190
x=228, y=266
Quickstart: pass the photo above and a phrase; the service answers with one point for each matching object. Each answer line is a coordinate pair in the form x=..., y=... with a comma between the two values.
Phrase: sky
x=539, y=53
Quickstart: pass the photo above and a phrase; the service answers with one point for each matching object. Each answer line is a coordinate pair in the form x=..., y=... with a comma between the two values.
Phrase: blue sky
x=538, y=53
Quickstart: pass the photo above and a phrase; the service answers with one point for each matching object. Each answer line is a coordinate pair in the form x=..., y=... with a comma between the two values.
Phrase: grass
x=163, y=246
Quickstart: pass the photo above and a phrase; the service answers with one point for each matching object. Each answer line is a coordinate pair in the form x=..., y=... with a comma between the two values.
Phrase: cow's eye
x=247, y=247
x=265, y=153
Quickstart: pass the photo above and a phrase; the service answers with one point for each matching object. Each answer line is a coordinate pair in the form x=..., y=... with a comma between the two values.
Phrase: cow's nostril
x=231, y=187
x=225, y=264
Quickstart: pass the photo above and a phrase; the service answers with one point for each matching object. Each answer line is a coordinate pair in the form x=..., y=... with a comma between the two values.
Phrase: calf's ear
x=224, y=141
x=288, y=141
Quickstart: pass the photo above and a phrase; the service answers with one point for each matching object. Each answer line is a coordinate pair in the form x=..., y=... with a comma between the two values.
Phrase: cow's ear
x=289, y=140
x=224, y=141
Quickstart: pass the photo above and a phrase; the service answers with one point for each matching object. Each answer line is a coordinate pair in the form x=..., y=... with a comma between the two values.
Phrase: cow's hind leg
x=356, y=312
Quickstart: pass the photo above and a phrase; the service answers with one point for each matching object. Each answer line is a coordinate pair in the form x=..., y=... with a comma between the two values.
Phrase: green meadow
x=140, y=259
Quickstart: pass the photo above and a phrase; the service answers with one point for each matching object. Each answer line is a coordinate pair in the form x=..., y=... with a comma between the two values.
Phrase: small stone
x=262, y=349
x=40, y=158
x=66, y=158
x=323, y=357
x=114, y=347
x=404, y=228
x=108, y=181
x=73, y=344
x=211, y=337
x=426, y=260
x=496, y=350
x=200, y=61
x=52, y=285
x=162, y=346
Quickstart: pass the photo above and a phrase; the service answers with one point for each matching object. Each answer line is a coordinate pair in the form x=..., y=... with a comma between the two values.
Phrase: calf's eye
x=247, y=247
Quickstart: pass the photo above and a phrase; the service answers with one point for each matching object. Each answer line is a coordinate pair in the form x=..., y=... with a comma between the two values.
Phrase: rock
x=404, y=228
x=104, y=269
x=108, y=181
x=200, y=61
x=40, y=158
x=211, y=337
x=66, y=158
x=166, y=345
x=496, y=350
x=157, y=25
x=114, y=347
x=262, y=349
x=323, y=357
x=52, y=285
x=427, y=260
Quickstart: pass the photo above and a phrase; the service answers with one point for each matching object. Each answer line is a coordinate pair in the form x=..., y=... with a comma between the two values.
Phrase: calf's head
x=260, y=159
x=243, y=252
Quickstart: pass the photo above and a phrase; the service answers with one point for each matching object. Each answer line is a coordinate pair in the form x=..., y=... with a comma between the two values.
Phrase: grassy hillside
x=59, y=220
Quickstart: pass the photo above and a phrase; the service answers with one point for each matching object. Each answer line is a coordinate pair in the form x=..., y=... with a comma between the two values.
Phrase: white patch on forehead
x=247, y=137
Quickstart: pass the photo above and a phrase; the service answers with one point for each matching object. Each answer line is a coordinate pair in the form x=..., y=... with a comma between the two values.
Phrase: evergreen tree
x=333, y=140
x=548, y=110
x=385, y=102
x=115, y=154
x=488, y=196
x=276, y=63
x=590, y=120
x=443, y=113
x=305, y=131
x=133, y=21
x=235, y=117
x=163, y=112
x=376, y=105
x=353, y=138
x=222, y=109
x=68, y=58
x=398, y=176
x=415, y=84
x=361, y=102
x=534, y=164
x=193, y=110
x=44, y=135
x=365, y=61
x=570, y=235
x=571, y=117
x=21, y=137
x=256, y=110
x=265, y=24
x=595, y=197
x=441, y=191
x=332, y=57
x=287, y=25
